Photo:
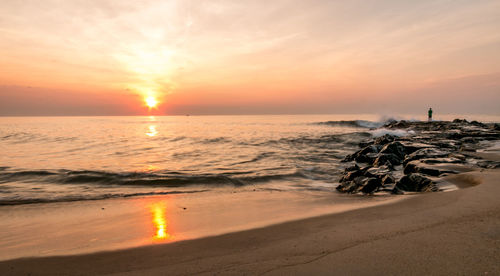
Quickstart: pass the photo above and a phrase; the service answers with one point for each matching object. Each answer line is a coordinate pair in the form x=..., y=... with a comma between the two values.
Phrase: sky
x=105, y=57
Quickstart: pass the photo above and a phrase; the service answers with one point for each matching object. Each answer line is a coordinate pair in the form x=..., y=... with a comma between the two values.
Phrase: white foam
x=395, y=132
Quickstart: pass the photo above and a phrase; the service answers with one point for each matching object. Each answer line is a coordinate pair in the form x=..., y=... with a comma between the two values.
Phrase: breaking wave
x=353, y=123
x=167, y=179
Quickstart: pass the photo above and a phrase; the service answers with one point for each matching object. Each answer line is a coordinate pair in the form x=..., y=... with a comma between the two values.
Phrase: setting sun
x=151, y=102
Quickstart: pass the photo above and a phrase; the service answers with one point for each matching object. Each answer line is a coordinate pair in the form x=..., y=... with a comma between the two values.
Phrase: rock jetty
x=410, y=163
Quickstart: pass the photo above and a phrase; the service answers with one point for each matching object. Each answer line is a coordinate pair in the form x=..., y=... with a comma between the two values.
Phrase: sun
x=151, y=102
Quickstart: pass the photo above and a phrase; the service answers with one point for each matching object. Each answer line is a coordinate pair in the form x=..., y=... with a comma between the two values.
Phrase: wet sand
x=69, y=228
x=447, y=233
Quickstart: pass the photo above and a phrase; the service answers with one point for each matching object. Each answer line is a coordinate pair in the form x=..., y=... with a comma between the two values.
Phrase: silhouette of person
x=430, y=114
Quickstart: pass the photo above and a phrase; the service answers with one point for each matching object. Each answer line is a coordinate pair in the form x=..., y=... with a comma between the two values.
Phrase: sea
x=61, y=159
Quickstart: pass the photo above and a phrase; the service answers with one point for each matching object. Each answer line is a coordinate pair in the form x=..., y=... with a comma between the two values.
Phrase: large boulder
x=395, y=148
x=386, y=159
x=415, y=182
x=364, y=155
x=371, y=185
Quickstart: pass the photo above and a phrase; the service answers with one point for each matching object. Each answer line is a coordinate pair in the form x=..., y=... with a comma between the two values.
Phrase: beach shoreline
x=83, y=227
x=446, y=233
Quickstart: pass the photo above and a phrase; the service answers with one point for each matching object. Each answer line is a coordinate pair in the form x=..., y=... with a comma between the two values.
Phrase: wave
x=165, y=179
x=342, y=139
x=394, y=132
x=353, y=123
x=69, y=198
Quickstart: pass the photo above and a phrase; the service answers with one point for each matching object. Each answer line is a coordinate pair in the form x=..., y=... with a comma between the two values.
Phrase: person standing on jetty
x=430, y=114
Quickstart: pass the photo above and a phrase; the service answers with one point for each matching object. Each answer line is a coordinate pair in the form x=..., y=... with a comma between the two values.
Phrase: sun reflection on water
x=152, y=131
x=158, y=212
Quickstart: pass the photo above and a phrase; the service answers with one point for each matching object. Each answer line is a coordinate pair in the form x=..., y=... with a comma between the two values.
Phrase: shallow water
x=48, y=159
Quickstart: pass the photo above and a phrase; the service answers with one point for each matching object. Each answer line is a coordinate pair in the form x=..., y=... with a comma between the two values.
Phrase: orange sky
x=247, y=57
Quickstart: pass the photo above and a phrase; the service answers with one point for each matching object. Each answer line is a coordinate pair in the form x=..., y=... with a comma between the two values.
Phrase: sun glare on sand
x=151, y=101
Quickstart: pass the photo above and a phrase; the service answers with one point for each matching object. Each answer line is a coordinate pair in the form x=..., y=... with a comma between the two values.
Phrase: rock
x=371, y=185
x=411, y=147
x=351, y=186
x=467, y=148
x=410, y=168
x=414, y=168
x=346, y=187
x=397, y=124
x=395, y=148
x=388, y=179
x=437, y=142
x=449, y=160
x=360, y=184
x=425, y=153
x=470, y=140
x=389, y=160
x=385, y=139
x=350, y=175
x=365, y=144
x=489, y=164
x=458, y=121
x=415, y=183
x=476, y=123
x=355, y=167
x=445, y=143
x=365, y=155
x=378, y=172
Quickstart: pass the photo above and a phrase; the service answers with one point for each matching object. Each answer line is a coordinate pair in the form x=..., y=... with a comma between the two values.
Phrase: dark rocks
x=366, y=180
x=378, y=172
x=459, y=121
x=476, y=123
x=429, y=145
x=388, y=179
x=413, y=167
x=365, y=155
x=449, y=160
x=394, y=149
x=351, y=175
x=425, y=153
x=415, y=183
x=489, y=164
x=411, y=147
x=389, y=160
x=370, y=185
x=362, y=184
x=385, y=139
x=397, y=124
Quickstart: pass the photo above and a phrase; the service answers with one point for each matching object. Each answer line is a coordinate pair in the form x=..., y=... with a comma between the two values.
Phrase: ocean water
x=54, y=159
x=50, y=159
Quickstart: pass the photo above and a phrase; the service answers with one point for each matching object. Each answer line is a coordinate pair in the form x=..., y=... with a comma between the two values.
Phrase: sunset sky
x=103, y=57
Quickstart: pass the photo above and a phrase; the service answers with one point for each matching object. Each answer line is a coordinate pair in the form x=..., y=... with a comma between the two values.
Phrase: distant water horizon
x=57, y=159
x=488, y=118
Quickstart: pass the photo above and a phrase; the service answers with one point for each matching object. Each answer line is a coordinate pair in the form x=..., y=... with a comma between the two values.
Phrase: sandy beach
x=447, y=233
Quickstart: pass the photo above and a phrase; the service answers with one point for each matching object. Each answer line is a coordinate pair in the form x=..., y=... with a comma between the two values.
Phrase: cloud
x=276, y=50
